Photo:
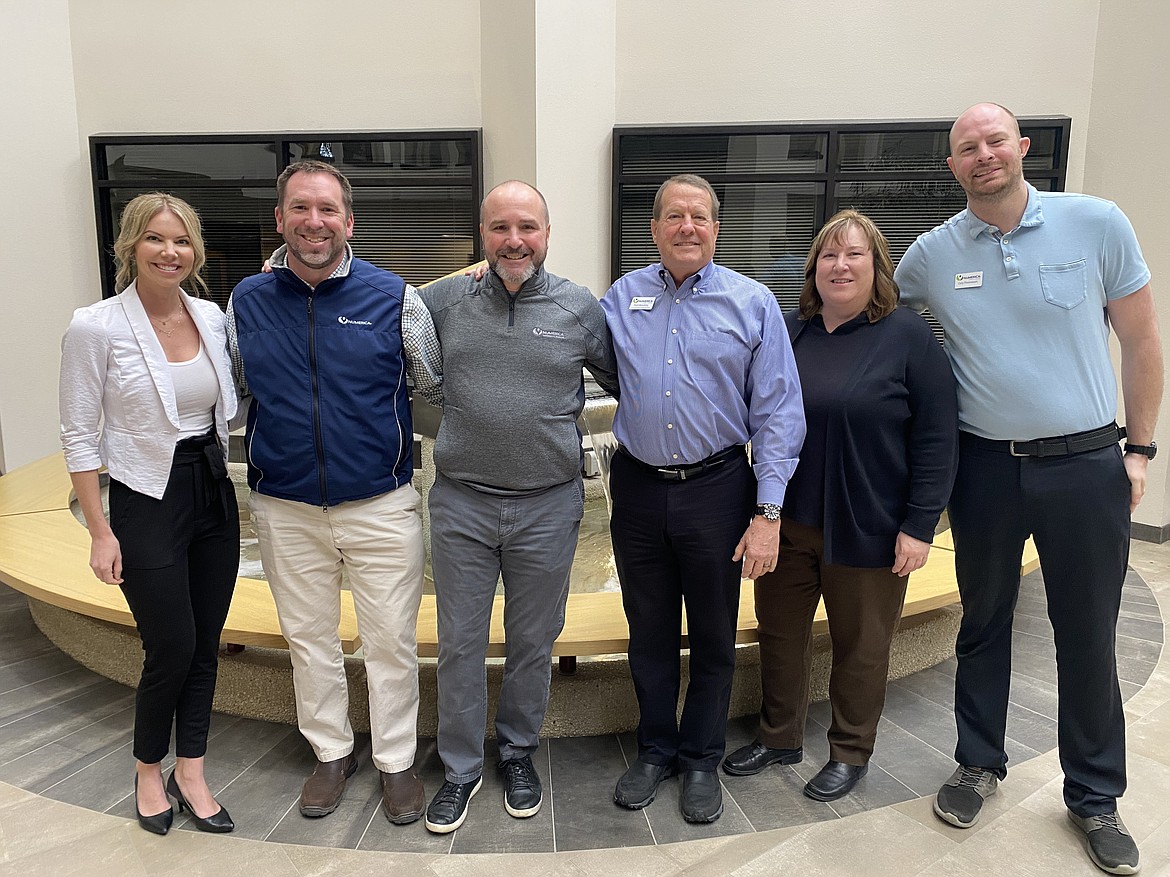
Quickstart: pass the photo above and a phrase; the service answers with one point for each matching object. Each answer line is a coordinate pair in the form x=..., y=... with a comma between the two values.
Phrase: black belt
x=1054, y=446
x=687, y=470
x=204, y=451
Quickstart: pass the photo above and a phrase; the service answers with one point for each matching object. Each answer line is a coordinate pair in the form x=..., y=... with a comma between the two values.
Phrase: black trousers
x=180, y=557
x=673, y=542
x=1077, y=510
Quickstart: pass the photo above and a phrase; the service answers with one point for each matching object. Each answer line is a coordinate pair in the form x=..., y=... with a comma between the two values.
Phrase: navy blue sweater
x=882, y=444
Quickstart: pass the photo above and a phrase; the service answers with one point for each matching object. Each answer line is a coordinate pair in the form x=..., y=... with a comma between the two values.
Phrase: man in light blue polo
x=1026, y=285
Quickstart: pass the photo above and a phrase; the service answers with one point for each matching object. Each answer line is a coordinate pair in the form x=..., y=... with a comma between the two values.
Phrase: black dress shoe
x=159, y=823
x=702, y=796
x=754, y=757
x=638, y=785
x=219, y=822
x=835, y=780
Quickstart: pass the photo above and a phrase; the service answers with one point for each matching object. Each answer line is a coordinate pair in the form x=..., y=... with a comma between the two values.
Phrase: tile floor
x=65, y=768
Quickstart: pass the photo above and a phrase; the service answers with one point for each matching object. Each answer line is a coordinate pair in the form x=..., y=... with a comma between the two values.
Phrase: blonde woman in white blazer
x=146, y=391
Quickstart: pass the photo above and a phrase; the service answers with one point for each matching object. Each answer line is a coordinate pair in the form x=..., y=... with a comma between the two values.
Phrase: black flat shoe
x=159, y=823
x=702, y=796
x=219, y=822
x=753, y=758
x=835, y=780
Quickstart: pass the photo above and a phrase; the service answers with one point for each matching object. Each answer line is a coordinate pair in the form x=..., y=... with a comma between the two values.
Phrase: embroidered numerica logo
x=346, y=321
x=548, y=333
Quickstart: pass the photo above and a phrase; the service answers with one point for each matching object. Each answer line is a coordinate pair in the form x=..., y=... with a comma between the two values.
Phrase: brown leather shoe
x=403, y=798
x=325, y=786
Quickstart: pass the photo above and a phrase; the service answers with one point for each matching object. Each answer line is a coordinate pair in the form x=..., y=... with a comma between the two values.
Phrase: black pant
x=1076, y=508
x=673, y=542
x=180, y=556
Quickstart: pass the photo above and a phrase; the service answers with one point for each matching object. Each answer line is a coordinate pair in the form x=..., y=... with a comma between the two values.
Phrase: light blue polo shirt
x=1024, y=314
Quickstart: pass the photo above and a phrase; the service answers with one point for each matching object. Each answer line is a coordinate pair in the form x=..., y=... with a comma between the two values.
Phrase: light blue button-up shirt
x=703, y=367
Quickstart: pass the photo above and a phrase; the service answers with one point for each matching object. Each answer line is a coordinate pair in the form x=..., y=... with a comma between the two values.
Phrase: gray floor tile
x=911, y=760
x=1038, y=696
x=584, y=771
x=1036, y=731
x=381, y=835
x=18, y=702
x=925, y=719
x=48, y=765
x=668, y=825
x=489, y=828
x=28, y=670
x=51, y=724
x=775, y=798
x=876, y=789
x=1140, y=628
x=1143, y=649
x=931, y=684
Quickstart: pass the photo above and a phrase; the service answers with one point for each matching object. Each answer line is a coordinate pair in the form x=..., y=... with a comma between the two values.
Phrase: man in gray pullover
x=507, y=496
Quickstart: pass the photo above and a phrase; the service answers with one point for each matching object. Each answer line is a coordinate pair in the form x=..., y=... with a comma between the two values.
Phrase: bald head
x=511, y=189
x=982, y=114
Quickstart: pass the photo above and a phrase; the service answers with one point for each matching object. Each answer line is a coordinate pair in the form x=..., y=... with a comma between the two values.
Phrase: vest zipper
x=318, y=439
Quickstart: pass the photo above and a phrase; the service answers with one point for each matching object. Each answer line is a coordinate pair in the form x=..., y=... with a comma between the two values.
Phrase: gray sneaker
x=1110, y=846
x=961, y=797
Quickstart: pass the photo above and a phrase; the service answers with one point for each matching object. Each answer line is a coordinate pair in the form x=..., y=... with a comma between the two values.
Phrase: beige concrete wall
x=262, y=65
x=48, y=259
x=575, y=117
x=1126, y=154
x=508, y=72
x=752, y=60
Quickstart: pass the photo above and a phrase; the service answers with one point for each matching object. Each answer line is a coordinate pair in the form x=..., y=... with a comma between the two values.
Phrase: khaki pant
x=378, y=542
x=863, y=607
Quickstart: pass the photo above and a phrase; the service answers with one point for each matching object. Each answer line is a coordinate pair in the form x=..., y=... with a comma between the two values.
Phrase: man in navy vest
x=323, y=346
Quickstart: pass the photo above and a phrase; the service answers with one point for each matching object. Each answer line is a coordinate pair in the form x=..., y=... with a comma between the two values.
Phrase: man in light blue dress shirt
x=705, y=367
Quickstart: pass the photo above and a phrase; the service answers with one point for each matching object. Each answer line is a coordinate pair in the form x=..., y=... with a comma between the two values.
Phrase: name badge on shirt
x=642, y=302
x=969, y=280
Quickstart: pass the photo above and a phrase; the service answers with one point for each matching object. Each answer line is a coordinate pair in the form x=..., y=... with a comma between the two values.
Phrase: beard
x=315, y=259
x=515, y=278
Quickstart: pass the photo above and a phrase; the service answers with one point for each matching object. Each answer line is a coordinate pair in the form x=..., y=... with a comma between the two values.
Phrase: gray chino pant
x=475, y=537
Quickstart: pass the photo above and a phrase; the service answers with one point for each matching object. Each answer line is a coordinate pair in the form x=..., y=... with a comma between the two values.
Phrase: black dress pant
x=673, y=542
x=1076, y=508
x=180, y=557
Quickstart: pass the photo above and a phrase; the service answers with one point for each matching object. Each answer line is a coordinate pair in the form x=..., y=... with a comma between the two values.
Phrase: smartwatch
x=1145, y=450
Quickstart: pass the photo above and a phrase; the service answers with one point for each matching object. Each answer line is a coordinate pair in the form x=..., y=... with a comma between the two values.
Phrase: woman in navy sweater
x=860, y=511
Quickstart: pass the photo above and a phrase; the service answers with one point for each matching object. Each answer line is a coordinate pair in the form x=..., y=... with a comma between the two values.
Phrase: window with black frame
x=777, y=185
x=416, y=195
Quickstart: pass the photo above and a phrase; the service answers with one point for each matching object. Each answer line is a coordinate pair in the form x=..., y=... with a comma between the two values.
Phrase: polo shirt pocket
x=1065, y=285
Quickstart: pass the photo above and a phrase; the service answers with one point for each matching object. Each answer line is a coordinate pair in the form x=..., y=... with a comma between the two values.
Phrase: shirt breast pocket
x=1065, y=285
x=712, y=356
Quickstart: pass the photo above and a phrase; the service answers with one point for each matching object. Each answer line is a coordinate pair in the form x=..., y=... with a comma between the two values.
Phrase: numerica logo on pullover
x=346, y=321
x=548, y=333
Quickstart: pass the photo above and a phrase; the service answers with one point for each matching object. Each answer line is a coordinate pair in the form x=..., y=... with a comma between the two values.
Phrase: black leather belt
x=686, y=471
x=1054, y=446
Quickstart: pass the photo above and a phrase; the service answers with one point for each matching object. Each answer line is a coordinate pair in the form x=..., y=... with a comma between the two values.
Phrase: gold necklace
x=161, y=325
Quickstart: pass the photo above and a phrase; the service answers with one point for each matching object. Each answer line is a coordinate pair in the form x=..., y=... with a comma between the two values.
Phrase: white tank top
x=196, y=392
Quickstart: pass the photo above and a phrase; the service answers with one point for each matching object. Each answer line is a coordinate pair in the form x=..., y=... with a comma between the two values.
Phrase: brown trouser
x=863, y=607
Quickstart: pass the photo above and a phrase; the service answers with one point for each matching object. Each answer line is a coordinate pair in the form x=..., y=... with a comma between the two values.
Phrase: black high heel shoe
x=219, y=822
x=160, y=823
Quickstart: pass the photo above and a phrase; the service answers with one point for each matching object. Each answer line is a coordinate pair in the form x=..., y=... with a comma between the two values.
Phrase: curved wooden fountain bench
x=44, y=553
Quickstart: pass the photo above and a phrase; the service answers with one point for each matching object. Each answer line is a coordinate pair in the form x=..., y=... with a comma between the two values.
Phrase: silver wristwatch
x=769, y=510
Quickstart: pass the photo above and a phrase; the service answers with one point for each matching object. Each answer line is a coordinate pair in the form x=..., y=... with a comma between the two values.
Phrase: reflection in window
x=416, y=195
x=779, y=183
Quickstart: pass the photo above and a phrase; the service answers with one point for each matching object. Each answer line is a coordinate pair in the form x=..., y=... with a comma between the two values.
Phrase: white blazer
x=117, y=397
